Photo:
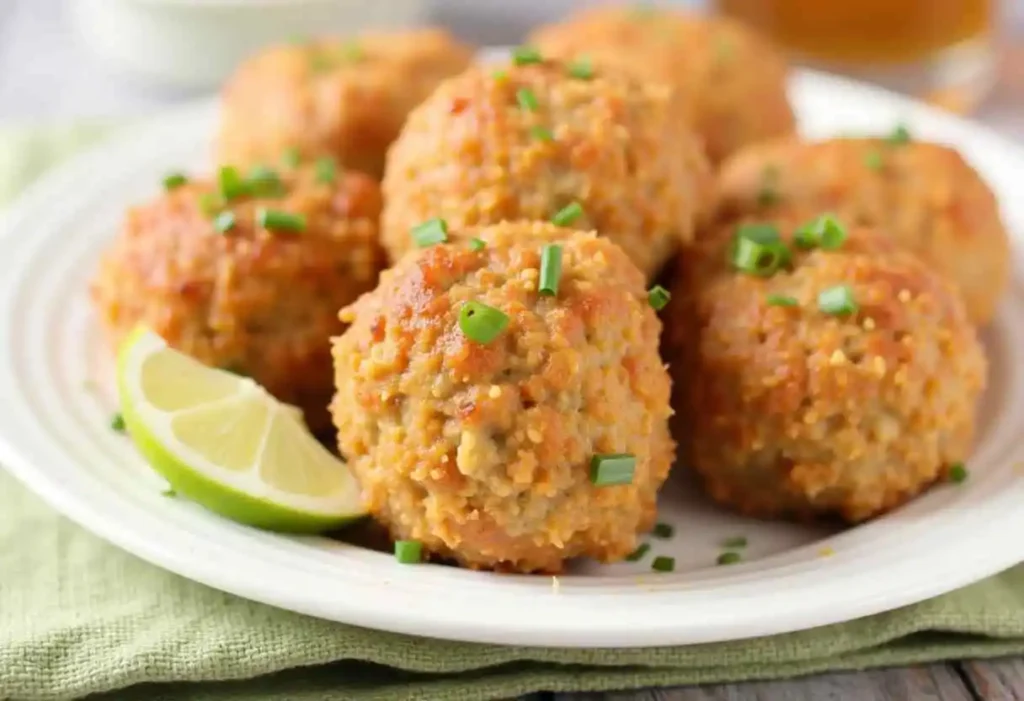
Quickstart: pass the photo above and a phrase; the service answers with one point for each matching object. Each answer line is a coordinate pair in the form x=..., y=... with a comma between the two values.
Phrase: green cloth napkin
x=78, y=616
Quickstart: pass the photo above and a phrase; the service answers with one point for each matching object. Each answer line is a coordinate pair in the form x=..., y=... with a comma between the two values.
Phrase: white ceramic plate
x=54, y=436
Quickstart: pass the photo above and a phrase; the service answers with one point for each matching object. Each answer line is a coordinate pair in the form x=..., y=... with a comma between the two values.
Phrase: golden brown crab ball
x=924, y=196
x=592, y=150
x=843, y=384
x=253, y=284
x=345, y=97
x=731, y=81
x=479, y=440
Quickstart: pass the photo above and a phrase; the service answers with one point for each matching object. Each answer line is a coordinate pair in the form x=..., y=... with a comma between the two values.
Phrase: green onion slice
x=550, y=269
x=612, y=468
x=729, y=558
x=210, y=203
x=481, y=323
x=527, y=99
x=278, y=220
x=291, y=157
x=408, y=552
x=759, y=233
x=430, y=232
x=900, y=135
x=264, y=182
x=117, y=422
x=231, y=184
x=541, y=133
x=326, y=170
x=477, y=244
x=582, y=69
x=663, y=530
x=568, y=214
x=663, y=564
x=781, y=301
x=958, y=473
x=224, y=222
x=761, y=259
x=525, y=55
x=639, y=553
x=837, y=300
x=174, y=180
x=658, y=297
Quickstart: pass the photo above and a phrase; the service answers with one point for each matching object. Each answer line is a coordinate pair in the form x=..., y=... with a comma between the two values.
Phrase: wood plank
x=995, y=680
x=929, y=683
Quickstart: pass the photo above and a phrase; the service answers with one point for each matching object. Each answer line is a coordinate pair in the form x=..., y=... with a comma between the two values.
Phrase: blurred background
x=63, y=59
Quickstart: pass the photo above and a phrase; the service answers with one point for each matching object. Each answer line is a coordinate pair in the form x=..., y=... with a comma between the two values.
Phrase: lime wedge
x=223, y=441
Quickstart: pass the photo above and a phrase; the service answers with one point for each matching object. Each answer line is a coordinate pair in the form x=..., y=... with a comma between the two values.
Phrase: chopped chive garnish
x=541, y=133
x=500, y=75
x=663, y=530
x=210, y=203
x=837, y=300
x=477, y=244
x=264, y=182
x=663, y=564
x=825, y=231
x=408, y=552
x=174, y=180
x=231, y=183
x=430, y=232
x=352, y=52
x=957, y=473
x=639, y=553
x=326, y=170
x=612, y=468
x=224, y=222
x=761, y=259
x=525, y=55
x=568, y=214
x=277, y=220
x=900, y=135
x=117, y=422
x=168, y=493
x=582, y=69
x=527, y=99
x=550, y=269
x=481, y=323
x=729, y=558
x=873, y=160
x=291, y=157
x=735, y=542
x=658, y=297
x=759, y=233
x=781, y=301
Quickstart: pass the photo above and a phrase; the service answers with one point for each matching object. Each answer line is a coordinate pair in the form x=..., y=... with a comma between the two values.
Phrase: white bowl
x=197, y=43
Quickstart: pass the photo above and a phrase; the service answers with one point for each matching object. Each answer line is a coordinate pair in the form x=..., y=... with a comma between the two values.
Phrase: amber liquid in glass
x=940, y=50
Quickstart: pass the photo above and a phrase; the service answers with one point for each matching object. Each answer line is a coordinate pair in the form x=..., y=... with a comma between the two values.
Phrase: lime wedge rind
x=237, y=494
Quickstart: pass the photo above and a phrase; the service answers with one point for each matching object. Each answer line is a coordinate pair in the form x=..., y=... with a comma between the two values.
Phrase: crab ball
x=924, y=196
x=500, y=425
x=731, y=81
x=345, y=97
x=822, y=381
x=252, y=281
x=539, y=140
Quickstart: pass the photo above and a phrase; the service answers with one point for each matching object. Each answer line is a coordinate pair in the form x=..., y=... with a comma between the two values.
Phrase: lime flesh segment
x=222, y=441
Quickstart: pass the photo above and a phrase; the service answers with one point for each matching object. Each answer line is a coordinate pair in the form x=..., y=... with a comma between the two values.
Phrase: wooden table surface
x=993, y=680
